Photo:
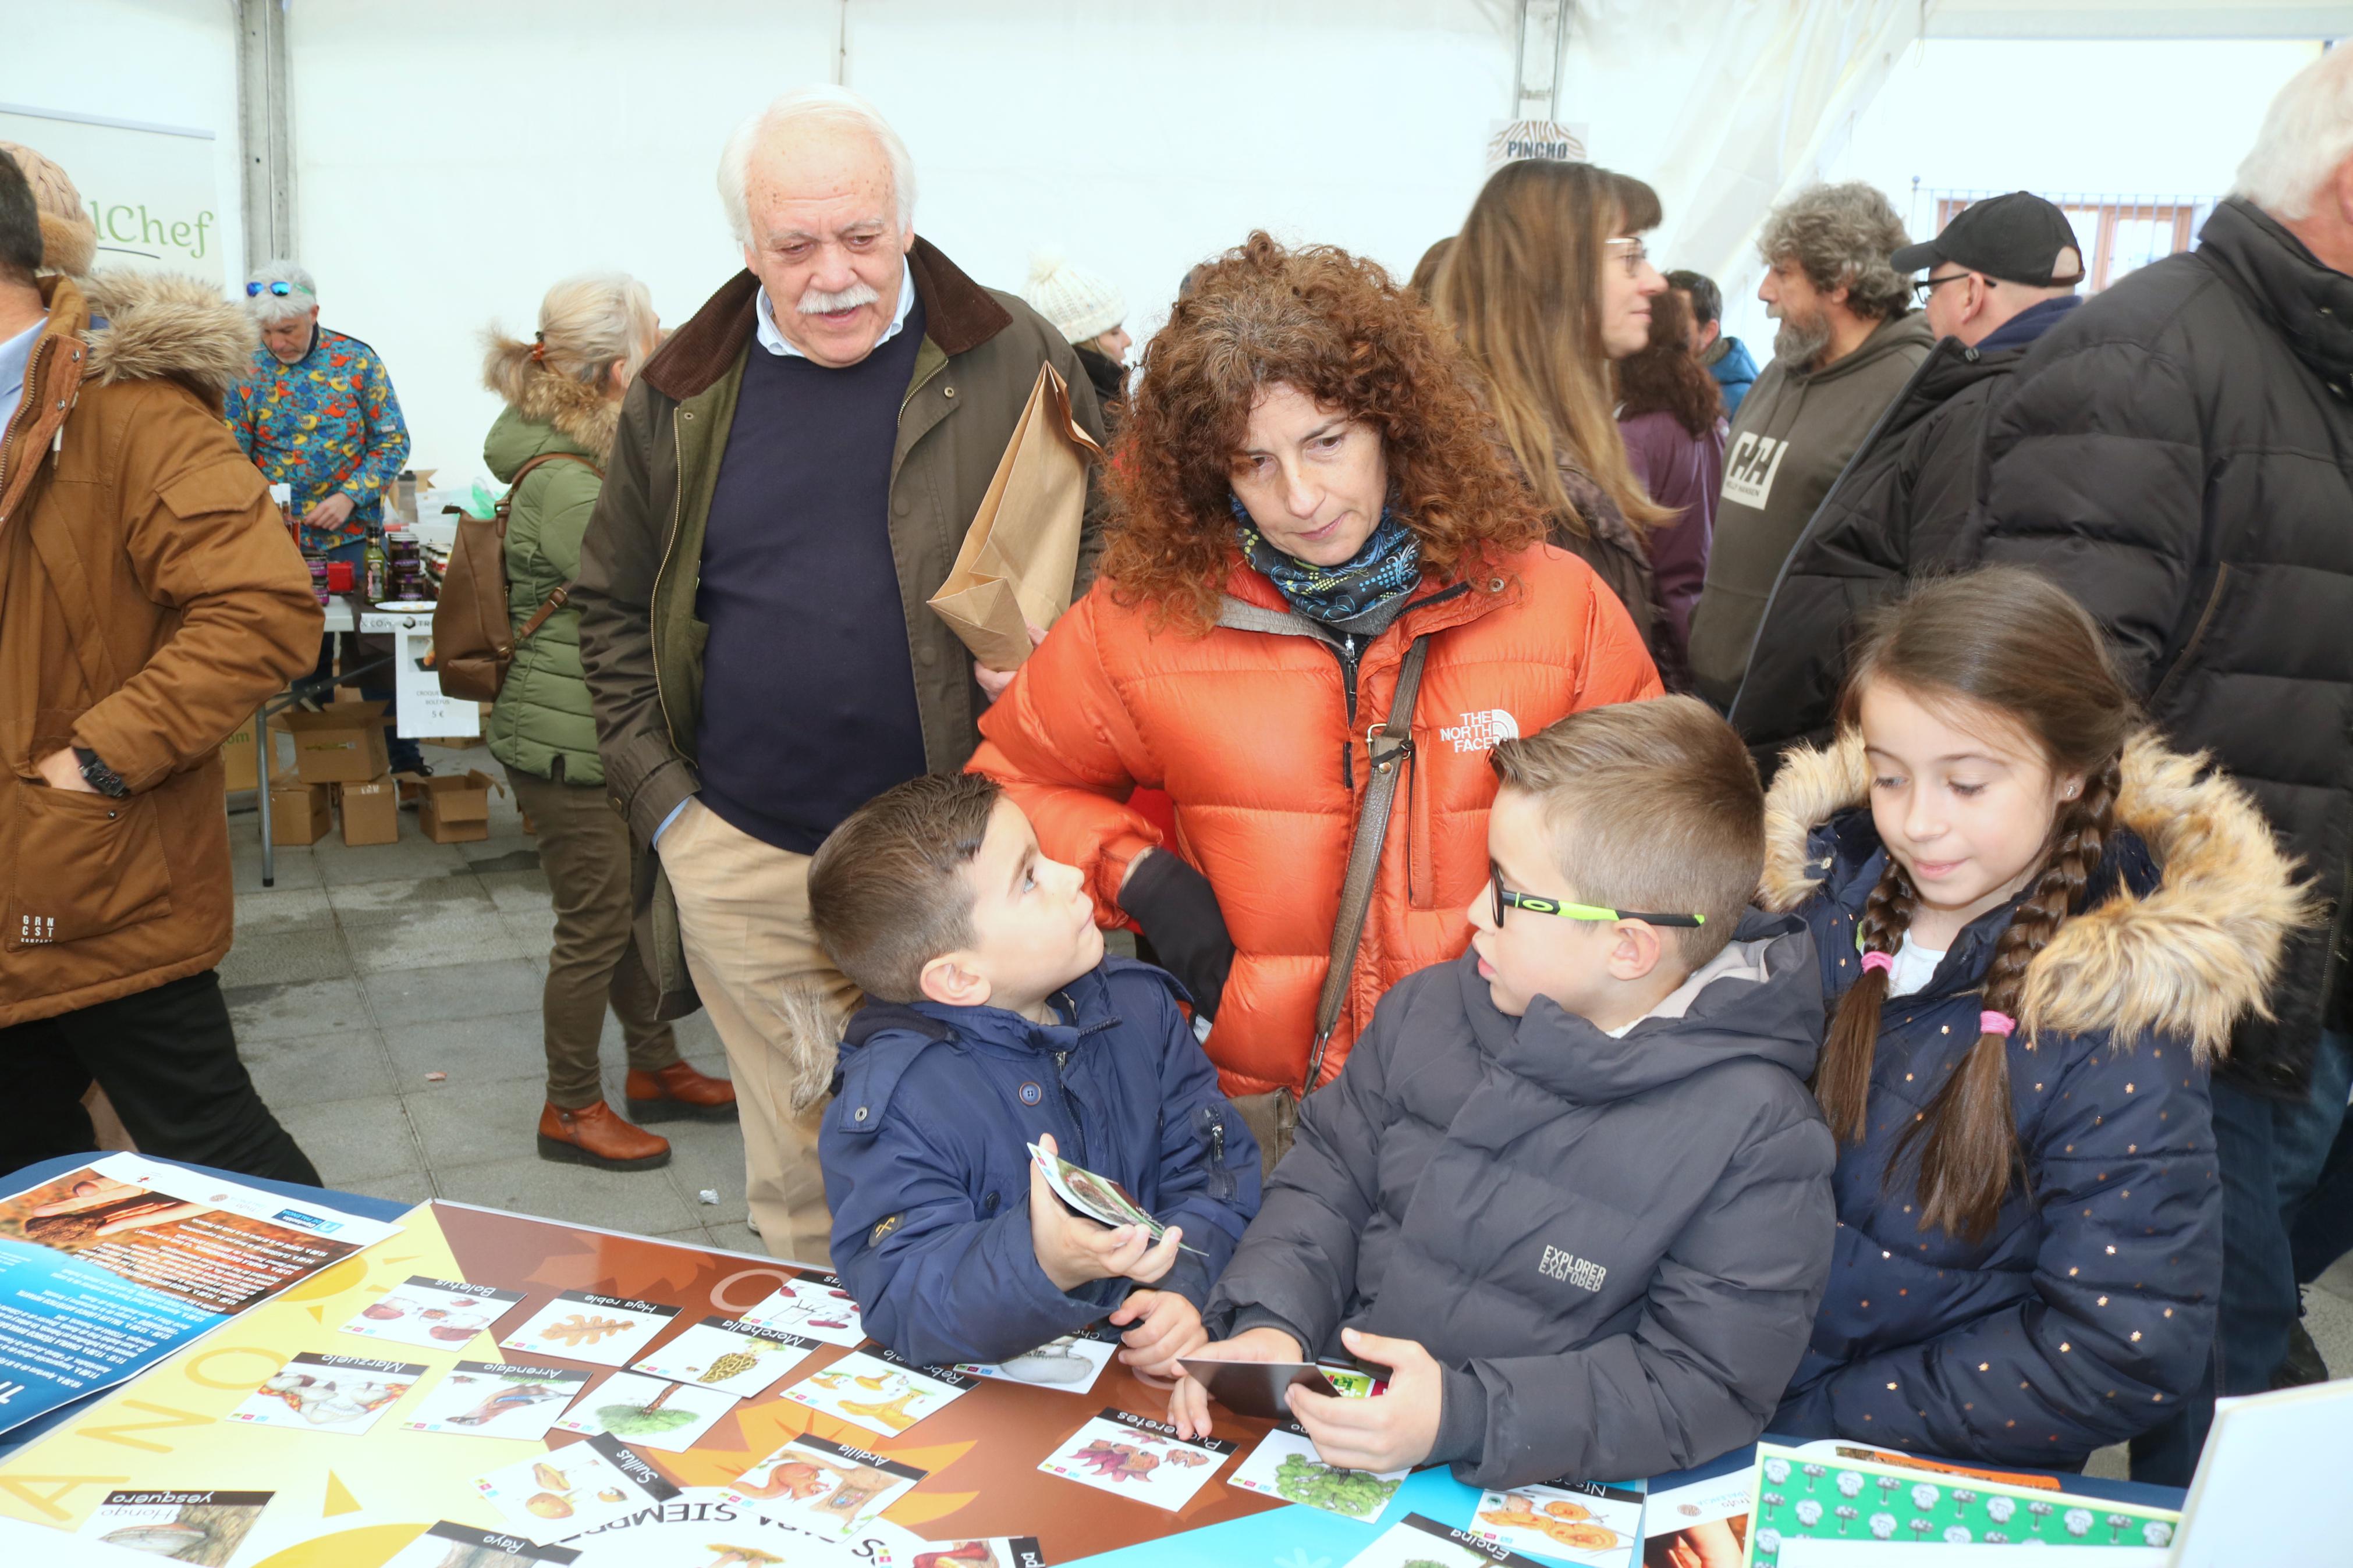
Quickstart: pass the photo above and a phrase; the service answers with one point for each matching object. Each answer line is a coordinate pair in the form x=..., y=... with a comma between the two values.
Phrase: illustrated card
x=328, y=1393
x=723, y=1353
x=1284, y=1465
x=814, y=1306
x=435, y=1314
x=447, y=1545
x=702, y=1527
x=576, y=1487
x=179, y=1526
x=880, y=1390
x=1097, y=1196
x=604, y=1331
x=1071, y=1363
x=496, y=1399
x=999, y=1551
x=825, y=1487
x=1575, y=1521
x=650, y=1412
x=1131, y=1457
x=1416, y=1541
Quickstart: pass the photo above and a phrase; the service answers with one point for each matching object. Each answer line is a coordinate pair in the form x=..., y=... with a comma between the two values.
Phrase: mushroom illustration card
x=447, y=1545
x=720, y=1353
x=1416, y=1541
x=1131, y=1457
x=649, y=1412
x=183, y=1527
x=1285, y=1465
x=879, y=1390
x=569, y=1489
x=435, y=1314
x=814, y=1306
x=328, y=1393
x=825, y=1487
x=496, y=1399
x=1574, y=1521
x=1071, y=1364
x=604, y=1331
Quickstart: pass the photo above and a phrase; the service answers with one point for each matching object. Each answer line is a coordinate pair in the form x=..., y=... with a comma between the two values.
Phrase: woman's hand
x=993, y=682
x=1189, y=1401
x=1179, y=912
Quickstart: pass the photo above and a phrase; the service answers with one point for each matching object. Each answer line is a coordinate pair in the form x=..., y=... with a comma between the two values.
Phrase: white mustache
x=818, y=302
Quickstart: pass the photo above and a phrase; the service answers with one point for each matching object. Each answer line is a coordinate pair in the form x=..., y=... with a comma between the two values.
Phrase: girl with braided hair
x=2037, y=926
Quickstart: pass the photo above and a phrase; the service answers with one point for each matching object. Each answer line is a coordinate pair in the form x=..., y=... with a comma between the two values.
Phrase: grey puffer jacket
x=1613, y=1246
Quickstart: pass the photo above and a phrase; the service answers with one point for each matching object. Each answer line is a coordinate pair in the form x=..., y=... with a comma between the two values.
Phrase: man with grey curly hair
x=1848, y=343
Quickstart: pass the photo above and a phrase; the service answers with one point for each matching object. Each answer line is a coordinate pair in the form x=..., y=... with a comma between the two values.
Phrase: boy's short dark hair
x=20, y=225
x=886, y=889
x=1654, y=806
x=1707, y=300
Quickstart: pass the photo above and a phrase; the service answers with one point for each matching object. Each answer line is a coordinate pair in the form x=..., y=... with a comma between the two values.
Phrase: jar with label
x=317, y=564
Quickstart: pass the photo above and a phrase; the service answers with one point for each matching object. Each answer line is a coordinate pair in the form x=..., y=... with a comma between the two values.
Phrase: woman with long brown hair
x=1671, y=415
x=1546, y=285
x=1305, y=490
x=2038, y=926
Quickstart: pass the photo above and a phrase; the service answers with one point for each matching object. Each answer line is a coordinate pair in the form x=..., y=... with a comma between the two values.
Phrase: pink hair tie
x=1871, y=961
x=1995, y=1024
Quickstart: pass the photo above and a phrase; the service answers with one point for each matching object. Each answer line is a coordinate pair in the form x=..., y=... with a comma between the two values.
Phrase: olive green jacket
x=641, y=564
x=542, y=715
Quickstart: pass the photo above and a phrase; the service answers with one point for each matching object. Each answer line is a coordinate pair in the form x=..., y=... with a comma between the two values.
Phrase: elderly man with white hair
x=2178, y=454
x=792, y=477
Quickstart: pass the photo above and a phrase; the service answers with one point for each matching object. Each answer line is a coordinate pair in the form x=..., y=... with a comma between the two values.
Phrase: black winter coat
x=2085, y=1315
x=1613, y=1246
x=2179, y=456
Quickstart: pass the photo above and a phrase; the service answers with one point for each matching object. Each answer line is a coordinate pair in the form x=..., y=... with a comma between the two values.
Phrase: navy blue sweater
x=808, y=689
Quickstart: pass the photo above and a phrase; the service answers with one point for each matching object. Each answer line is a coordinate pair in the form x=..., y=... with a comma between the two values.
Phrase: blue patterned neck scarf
x=1376, y=579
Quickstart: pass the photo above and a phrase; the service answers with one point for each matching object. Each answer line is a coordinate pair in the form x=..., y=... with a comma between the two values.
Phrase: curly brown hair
x=1335, y=328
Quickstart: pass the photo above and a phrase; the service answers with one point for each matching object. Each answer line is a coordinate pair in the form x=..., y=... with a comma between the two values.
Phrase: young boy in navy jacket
x=993, y=1021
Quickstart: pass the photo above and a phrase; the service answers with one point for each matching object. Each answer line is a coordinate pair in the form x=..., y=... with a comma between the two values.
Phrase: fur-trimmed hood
x=164, y=326
x=2187, y=957
x=572, y=409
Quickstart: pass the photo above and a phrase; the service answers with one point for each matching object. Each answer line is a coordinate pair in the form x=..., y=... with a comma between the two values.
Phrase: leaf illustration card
x=604, y=1331
x=435, y=1314
x=1416, y=1541
x=1097, y=1196
x=720, y=1353
x=566, y=1491
x=1285, y=1465
x=184, y=1527
x=880, y=1390
x=1131, y=1457
x=447, y=1545
x=496, y=1399
x=650, y=1412
x=1071, y=1363
x=826, y=1488
x=1575, y=1521
x=814, y=1306
x=328, y=1393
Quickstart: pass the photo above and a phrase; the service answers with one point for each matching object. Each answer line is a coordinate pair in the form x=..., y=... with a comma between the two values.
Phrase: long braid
x=1843, y=1076
x=1967, y=1136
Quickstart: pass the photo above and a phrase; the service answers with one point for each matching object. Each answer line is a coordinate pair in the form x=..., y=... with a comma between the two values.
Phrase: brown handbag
x=474, y=634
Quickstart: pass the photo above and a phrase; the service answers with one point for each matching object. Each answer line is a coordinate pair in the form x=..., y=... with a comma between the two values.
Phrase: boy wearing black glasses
x=1571, y=1187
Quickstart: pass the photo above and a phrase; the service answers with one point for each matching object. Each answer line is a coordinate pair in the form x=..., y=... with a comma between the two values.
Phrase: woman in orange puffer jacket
x=1306, y=484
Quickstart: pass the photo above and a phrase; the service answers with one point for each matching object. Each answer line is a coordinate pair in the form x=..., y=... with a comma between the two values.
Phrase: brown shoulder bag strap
x=563, y=594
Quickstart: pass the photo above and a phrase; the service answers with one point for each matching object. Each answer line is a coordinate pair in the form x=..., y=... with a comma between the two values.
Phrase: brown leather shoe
x=595, y=1136
x=679, y=1093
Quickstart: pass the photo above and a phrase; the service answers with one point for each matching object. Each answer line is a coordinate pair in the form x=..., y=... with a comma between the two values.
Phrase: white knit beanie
x=1082, y=305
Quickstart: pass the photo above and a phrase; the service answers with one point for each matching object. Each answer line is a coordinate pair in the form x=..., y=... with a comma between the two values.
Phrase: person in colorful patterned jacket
x=318, y=414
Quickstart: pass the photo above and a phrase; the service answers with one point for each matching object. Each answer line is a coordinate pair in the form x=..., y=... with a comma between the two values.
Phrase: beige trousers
x=742, y=911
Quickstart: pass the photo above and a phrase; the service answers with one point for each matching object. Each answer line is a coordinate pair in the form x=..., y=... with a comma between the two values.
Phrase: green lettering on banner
x=128, y=225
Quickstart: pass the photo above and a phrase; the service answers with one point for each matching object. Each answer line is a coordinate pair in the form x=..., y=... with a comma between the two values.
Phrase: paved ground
x=363, y=969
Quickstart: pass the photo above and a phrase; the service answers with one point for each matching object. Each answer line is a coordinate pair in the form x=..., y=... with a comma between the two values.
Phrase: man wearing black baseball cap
x=2001, y=274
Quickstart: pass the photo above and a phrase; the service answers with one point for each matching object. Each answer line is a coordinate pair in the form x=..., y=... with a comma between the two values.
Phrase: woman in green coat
x=562, y=391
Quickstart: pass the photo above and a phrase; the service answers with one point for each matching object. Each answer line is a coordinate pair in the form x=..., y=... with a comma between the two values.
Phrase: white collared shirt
x=764, y=318
x=15, y=358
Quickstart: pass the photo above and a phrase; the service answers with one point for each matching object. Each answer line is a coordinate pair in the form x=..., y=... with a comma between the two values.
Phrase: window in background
x=2119, y=234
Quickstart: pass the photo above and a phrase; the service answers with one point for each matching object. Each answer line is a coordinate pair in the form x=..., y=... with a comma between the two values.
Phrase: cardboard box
x=412, y=788
x=457, y=807
x=240, y=759
x=371, y=812
x=298, y=813
x=341, y=744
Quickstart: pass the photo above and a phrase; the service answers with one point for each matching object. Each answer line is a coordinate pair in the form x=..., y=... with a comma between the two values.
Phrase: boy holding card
x=993, y=1021
x=1571, y=1187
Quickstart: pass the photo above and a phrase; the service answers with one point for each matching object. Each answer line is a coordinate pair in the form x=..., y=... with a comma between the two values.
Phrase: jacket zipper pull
x=1348, y=766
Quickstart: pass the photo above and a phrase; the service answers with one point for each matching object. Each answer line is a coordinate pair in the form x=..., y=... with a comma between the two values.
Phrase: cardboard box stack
x=341, y=748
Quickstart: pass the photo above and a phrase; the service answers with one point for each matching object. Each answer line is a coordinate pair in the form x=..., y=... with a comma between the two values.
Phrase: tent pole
x=1535, y=73
x=265, y=133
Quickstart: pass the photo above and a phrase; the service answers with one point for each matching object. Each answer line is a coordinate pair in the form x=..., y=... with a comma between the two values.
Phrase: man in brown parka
x=150, y=600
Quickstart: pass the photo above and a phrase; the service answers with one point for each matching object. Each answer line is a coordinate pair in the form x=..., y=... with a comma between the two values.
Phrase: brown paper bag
x=1023, y=546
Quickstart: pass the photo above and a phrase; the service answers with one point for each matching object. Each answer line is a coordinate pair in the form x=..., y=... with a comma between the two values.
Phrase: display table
x=354, y=1501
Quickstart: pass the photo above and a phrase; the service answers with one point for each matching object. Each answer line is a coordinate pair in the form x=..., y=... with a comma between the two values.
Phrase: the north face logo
x=1480, y=731
x=1578, y=1271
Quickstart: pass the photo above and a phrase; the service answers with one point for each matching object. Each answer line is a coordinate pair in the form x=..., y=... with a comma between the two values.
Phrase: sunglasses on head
x=280, y=288
x=1507, y=900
